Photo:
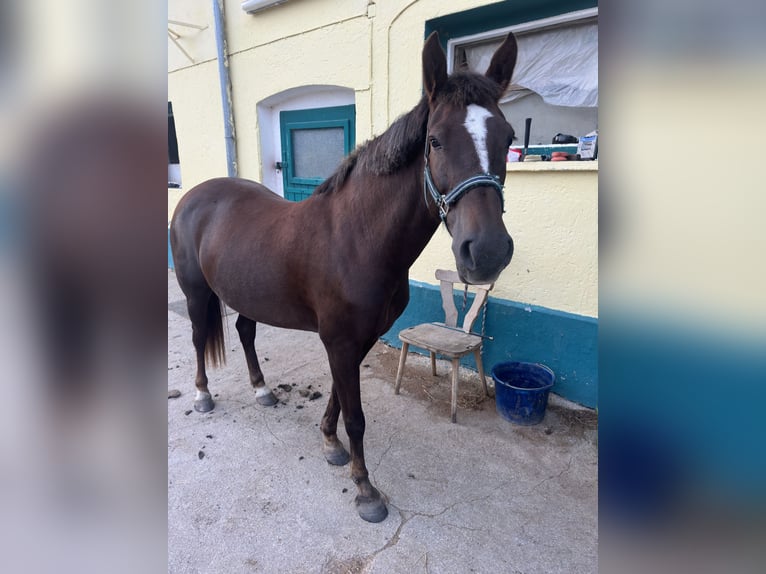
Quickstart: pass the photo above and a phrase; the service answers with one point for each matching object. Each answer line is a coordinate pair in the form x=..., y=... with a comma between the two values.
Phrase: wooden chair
x=446, y=338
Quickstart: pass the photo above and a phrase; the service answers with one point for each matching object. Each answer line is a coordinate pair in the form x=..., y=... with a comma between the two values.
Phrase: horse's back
x=221, y=194
x=223, y=202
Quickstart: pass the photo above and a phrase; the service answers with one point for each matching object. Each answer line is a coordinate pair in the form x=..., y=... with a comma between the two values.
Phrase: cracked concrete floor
x=249, y=490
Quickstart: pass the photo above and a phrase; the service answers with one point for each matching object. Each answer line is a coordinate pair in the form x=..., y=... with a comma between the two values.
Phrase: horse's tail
x=215, y=351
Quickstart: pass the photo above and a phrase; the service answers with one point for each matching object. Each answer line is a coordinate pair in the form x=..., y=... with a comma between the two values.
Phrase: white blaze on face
x=476, y=124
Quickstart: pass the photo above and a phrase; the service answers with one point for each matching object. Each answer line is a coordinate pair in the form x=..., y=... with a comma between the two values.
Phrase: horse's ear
x=503, y=61
x=434, y=66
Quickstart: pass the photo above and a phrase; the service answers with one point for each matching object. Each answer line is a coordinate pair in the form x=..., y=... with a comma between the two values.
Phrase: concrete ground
x=249, y=490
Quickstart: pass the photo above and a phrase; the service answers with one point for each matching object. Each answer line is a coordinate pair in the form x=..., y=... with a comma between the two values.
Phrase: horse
x=337, y=263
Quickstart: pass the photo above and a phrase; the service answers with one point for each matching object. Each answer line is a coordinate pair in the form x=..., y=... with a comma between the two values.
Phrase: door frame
x=298, y=188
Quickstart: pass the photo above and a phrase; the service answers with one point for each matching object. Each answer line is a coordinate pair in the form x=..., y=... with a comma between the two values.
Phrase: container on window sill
x=514, y=155
x=588, y=146
x=564, y=156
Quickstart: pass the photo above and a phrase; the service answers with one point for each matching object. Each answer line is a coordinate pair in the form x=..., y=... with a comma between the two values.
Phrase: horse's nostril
x=484, y=257
x=465, y=252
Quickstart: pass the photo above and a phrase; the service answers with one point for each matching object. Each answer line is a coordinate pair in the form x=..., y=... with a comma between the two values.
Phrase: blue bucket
x=521, y=391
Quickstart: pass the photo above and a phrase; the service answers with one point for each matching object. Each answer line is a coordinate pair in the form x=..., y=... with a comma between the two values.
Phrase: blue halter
x=444, y=202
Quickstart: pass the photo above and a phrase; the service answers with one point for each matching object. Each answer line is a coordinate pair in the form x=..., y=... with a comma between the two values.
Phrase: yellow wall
x=196, y=99
x=293, y=62
x=292, y=45
x=375, y=50
x=371, y=48
x=551, y=211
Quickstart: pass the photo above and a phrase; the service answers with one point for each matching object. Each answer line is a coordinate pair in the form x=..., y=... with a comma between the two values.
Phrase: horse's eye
x=435, y=143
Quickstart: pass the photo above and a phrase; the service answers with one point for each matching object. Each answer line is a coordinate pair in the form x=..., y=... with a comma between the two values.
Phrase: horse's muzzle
x=481, y=259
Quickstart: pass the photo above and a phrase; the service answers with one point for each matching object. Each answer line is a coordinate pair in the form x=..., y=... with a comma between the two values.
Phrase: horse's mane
x=401, y=143
x=392, y=150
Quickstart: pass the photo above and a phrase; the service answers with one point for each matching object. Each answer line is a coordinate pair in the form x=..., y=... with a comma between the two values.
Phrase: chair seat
x=438, y=338
x=445, y=338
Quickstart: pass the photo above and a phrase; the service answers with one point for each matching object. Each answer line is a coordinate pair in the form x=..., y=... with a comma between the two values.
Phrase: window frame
x=535, y=25
x=530, y=26
x=173, y=153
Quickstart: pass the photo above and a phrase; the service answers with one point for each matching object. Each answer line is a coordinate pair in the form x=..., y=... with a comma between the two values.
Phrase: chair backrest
x=448, y=281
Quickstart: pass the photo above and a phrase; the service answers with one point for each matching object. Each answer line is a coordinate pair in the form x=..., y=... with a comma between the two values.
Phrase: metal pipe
x=225, y=81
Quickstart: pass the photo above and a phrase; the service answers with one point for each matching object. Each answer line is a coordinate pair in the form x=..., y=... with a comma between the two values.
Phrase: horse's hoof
x=204, y=404
x=337, y=456
x=371, y=509
x=264, y=397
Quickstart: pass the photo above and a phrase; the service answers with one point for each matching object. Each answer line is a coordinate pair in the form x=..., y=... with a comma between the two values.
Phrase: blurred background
x=83, y=159
x=682, y=287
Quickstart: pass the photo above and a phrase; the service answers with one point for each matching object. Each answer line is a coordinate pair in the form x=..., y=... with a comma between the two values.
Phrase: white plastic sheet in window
x=560, y=64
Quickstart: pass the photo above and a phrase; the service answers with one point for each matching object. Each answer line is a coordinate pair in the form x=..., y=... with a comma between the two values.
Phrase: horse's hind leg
x=334, y=451
x=246, y=330
x=198, y=305
x=203, y=305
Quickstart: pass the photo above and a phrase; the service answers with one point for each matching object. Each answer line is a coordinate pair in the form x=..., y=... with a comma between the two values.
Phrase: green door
x=314, y=142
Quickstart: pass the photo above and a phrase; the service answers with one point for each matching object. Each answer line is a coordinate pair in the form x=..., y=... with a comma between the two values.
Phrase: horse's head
x=465, y=151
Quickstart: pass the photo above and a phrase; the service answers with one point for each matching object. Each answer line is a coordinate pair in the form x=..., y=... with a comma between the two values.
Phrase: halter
x=444, y=202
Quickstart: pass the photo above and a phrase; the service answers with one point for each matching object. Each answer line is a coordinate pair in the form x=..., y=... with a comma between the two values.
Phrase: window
x=174, y=164
x=314, y=142
x=555, y=81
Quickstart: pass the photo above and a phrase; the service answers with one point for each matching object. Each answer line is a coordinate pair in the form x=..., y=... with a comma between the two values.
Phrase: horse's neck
x=396, y=215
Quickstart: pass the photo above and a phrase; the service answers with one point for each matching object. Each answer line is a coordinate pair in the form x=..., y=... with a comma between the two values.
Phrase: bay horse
x=337, y=263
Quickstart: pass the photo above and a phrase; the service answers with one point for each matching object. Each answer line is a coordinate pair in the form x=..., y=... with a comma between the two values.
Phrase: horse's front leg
x=345, y=359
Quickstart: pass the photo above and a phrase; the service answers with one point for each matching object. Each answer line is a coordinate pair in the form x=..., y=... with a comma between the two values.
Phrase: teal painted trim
x=500, y=15
x=312, y=182
x=297, y=188
x=565, y=342
x=547, y=149
x=171, y=265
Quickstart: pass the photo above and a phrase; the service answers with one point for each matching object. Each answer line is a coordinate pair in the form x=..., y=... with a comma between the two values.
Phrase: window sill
x=586, y=165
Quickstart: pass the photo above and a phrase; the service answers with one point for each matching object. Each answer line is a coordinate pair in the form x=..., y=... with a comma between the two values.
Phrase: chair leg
x=480, y=365
x=400, y=370
x=455, y=376
x=433, y=363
